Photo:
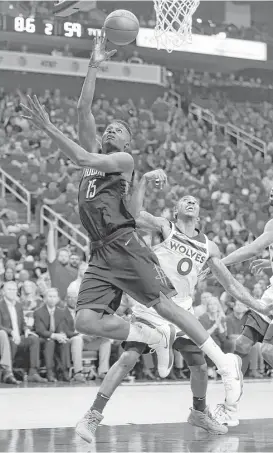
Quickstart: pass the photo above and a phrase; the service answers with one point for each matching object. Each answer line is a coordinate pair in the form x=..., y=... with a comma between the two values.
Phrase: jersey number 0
x=91, y=189
x=186, y=263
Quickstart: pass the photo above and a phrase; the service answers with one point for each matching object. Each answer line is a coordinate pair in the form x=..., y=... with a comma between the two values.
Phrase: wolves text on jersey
x=184, y=250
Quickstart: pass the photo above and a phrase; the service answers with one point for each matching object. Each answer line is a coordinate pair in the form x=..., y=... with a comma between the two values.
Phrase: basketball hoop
x=174, y=22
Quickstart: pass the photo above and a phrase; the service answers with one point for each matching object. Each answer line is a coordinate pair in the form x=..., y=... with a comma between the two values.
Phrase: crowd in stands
x=232, y=181
x=40, y=284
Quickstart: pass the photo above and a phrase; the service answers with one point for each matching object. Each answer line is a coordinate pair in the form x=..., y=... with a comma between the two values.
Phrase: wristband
x=94, y=66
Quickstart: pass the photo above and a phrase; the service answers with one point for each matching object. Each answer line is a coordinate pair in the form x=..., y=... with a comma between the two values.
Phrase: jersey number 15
x=91, y=189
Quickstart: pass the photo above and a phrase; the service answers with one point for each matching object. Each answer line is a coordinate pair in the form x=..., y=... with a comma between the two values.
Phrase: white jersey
x=182, y=259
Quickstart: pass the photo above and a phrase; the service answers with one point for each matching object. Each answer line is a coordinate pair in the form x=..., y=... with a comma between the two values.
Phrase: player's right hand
x=36, y=113
x=258, y=266
x=159, y=176
x=99, y=53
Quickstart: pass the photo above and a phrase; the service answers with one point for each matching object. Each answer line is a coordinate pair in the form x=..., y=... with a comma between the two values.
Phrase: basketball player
x=182, y=254
x=120, y=260
x=258, y=327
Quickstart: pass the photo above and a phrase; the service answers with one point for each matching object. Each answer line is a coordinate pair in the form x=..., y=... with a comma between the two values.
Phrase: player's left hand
x=99, y=53
x=159, y=176
x=36, y=113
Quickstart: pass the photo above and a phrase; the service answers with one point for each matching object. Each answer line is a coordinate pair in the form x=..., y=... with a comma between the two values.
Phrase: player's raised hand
x=36, y=113
x=258, y=266
x=158, y=176
x=99, y=53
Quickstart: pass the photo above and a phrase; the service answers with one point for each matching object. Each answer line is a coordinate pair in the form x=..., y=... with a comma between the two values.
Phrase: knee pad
x=242, y=346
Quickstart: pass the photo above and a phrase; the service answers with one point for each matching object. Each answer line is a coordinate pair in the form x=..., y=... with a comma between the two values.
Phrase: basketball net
x=174, y=22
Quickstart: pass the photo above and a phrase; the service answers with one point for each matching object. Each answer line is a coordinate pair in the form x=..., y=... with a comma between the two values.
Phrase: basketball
x=121, y=27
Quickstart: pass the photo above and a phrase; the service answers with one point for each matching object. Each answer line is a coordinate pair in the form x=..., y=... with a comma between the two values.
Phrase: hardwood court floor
x=140, y=418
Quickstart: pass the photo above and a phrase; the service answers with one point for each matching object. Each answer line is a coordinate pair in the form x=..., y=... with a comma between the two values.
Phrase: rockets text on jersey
x=182, y=259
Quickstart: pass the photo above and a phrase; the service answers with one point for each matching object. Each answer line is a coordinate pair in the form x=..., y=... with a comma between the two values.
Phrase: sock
x=212, y=350
x=143, y=334
x=199, y=404
x=100, y=403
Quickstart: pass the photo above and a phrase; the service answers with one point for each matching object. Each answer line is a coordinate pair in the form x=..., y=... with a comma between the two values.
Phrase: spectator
x=61, y=272
x=6, y=372
x=201, y=309
x=41, y=266
x=20, y=251
x=49, y=325
x=74, y=286
x=214, y=322
x=29, y=298
x=234, y=322
x=12, y=321
x=9, y=275
x=103, y=346
x=12, y=225
x=76, y=340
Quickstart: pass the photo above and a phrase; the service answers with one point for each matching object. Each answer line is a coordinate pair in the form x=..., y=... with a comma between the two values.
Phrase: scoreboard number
x=22, y=24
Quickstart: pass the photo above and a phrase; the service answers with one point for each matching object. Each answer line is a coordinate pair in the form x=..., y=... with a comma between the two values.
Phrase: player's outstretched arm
x=86, y=120
x=253, y=249
x=150, y=223
x=231, y=285
x=116, y=162
x=138, y=195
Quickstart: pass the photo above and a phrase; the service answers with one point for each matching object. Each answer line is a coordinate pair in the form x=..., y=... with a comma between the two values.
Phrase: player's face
x=271, y=197
x=115, y=138
x=188, y=207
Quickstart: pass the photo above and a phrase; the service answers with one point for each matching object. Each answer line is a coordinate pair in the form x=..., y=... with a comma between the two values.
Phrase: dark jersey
x=102, y=203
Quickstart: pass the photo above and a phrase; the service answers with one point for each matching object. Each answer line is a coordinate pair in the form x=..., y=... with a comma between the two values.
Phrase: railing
x=203, y=114
x=44, y=217
x=241, y=136
x=176, y=96
x=229, y=129
x=4, y=177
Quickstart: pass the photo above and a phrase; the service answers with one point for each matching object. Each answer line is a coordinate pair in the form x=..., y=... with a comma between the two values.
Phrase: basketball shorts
x=259, y=328
x=123, y=263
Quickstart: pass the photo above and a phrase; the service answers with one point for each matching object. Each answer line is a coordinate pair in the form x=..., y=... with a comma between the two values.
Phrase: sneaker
x=254, y=374
x=79, y=377
x=164, y=350
x=232, y=378
x=206, y=421
x=86, y=428
x=226, y=416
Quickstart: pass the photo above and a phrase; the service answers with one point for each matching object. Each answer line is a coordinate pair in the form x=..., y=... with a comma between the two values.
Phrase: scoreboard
x=37, y=25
